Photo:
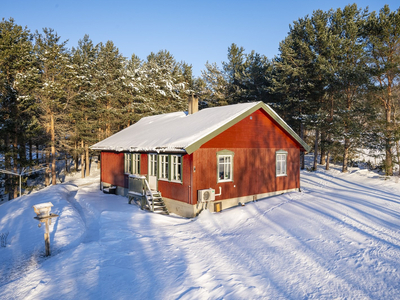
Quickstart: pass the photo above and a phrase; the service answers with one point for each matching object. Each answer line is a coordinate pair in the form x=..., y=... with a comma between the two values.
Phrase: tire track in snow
x=89, y=217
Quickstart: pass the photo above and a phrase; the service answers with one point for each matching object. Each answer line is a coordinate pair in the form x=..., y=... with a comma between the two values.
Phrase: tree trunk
x=83, y=160
x=22, y=154
x=53, y=151
x=327, y=160
x=37, y=154
x=30, y=152
x=108, y=130
x=66, y=163
x=328, y=153
x=323, y=148
x=398, y=155
x=87, y=160
x=76, y=157
x=47, y=171
x=316, y=150
x=7, y=164
x=302, y=153
x=388, y=144
x=15, y=162
x=346, y=155
x=346, y=138
x=388, y=161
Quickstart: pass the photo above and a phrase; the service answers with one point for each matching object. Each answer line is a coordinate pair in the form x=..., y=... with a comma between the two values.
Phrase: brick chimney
x=193, y=104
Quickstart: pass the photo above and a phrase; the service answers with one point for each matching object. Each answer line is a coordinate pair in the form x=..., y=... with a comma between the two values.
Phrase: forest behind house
x=335, y=81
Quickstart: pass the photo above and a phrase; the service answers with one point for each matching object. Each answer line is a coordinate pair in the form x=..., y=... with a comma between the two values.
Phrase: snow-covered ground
x=338, y=238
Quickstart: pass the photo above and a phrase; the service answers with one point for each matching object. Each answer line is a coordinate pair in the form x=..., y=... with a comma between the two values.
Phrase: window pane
x=281, y=164
x=137, y=164
x=227, y=172
x=176, y=168
x=221, y=171
x=164, y=166
x=224, y=167
x=153, y=164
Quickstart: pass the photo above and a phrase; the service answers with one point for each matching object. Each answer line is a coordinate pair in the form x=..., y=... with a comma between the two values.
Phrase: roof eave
x=178, y=150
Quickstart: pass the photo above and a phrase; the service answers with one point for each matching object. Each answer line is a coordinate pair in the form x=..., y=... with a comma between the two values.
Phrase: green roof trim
x=260, y=105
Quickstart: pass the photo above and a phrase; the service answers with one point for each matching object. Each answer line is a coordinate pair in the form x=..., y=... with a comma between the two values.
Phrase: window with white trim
x=135, y=163
x=132, y=163
x=225, y=165
x=127, y=163
x=176, y=168
x=281, y=163
x=152, y=164
x=163, y=167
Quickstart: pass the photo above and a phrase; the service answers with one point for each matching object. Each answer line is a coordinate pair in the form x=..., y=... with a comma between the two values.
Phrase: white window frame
x=227, y=166
x=152, y=165
x=135, y=163
x=281, y=163
x=132, y=163
x=163, y=168
x=176, y=168
x=127, y=163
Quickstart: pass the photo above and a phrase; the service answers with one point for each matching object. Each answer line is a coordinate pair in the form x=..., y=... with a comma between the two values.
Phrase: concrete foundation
x=190, y=211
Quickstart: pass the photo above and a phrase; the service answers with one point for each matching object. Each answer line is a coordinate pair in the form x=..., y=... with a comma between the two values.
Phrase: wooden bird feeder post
x=43, y=215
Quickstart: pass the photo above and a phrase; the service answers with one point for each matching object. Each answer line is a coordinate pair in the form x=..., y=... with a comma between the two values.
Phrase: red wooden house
x=217, y=157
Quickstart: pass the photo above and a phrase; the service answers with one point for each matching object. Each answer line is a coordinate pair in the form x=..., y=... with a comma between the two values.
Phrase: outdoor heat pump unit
x=205, y=195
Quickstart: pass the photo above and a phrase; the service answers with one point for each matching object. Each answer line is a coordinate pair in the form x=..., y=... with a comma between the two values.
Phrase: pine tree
x=165, y=86
x=18, y=74
x=290, y=91
x=83, y=105
x=51, y=94
x=139, y=104
x=382, y=32
x=257, y=78
x=302, y=74
x=350, y=78
x=214, y=91
x=110, y=89
x=234, y=70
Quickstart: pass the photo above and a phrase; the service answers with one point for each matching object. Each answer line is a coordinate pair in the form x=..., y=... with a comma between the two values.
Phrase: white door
x=153, y=171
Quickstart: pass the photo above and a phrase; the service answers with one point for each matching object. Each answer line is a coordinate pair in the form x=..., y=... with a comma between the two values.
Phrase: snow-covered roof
x=186, y=133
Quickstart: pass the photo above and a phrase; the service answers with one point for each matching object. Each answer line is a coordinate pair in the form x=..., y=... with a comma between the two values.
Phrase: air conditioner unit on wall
x=205, y=195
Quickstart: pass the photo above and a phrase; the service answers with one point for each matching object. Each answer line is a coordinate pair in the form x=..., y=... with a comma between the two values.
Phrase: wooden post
x=47, y=237
x=47, y=221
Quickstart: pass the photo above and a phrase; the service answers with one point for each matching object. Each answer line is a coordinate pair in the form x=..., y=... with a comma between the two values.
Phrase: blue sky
x=193, y=31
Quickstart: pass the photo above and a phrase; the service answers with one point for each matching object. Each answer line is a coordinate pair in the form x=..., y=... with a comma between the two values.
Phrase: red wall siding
x=254, y=141
x=144, y=164
x=179, y=191
x=112, y=168
x=260, y=131
x=254, y=172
